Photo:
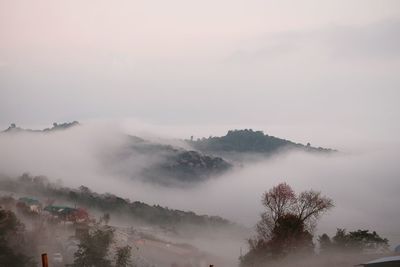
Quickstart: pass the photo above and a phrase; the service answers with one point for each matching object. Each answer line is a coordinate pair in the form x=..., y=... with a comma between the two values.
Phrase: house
x=29, y=204
x=393, y=261
x=68, y=214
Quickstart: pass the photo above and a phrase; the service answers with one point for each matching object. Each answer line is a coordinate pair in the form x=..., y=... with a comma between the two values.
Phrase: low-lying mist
x=364, y=185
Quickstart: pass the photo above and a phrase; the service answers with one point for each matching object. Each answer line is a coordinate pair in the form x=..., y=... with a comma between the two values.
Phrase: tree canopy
x=355, y=241
x=287, y=224
x=93, y=248
x=248, y=140
x=12, y=244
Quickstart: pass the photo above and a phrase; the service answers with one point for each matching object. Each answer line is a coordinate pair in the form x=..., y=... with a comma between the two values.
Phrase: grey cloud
x=380, y=40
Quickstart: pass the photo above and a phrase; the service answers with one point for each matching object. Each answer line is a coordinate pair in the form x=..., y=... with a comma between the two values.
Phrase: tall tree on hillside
x=93, y=249
x=287, y=224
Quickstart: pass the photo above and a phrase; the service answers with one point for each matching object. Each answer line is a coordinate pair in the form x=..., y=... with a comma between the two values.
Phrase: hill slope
x=249, y=141
x=150, y=161
x=168, y=165
x=39, y=186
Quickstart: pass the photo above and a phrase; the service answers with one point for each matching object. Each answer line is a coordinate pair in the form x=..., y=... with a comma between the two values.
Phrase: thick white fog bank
x=364, y=185
x=71, y=155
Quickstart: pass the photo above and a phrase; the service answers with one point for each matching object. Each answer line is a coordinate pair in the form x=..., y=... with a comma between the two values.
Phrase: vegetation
x=109, y=203
x=356, y=241
x=123, y=256
x=176, y=164
x=93, y=248
x=249, y=141
x=56, y=126
x=13, y=244
x=287, y=224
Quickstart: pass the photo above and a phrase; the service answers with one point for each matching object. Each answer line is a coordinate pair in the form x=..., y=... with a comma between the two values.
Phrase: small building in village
x=29, y=205
x=393, y=261
x=68, y=214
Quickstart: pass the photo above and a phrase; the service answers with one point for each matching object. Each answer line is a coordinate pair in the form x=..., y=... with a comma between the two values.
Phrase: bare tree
x=288, y=222
x=281, y=200
x=310, y=205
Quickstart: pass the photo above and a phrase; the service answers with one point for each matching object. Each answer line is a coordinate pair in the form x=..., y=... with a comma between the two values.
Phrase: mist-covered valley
x=218, y=133
x=107, y=159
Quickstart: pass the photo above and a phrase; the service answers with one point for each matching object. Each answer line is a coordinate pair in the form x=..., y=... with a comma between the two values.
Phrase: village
x=57, y=230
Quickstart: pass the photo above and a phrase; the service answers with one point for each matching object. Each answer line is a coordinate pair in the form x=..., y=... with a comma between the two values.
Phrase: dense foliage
x=286, y=226
x=93, y=248
x=123, y=256
x=174, y=164
x=13, y=244
x=355, y=241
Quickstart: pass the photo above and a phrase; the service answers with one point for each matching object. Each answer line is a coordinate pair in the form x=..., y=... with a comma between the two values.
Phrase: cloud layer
x=363, y=184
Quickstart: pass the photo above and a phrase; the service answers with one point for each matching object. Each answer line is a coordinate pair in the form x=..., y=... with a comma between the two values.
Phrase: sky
x=318, y=71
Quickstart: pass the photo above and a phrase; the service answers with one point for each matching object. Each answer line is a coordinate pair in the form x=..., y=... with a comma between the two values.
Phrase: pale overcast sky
x=301, y=69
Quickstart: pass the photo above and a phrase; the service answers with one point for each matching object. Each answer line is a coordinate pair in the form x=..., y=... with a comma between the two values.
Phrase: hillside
x=175, y=164
x=156, y=163
x=169, y=165
x=249, y=141
x=156, y=215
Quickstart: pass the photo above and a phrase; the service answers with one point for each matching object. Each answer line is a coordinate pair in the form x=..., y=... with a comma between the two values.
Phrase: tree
x=281, y=200
x=94, y=248
x=287, y=224
x=340, y=238
x=105, y=218
x=12, y=242
x=123, y=256
x=364, y=240
x=325, y=243
x=290, y=235
x=356, y=241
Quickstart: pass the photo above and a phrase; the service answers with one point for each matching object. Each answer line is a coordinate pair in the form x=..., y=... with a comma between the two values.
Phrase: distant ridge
x=249, y=141
x=207, y=158
x=174, y=166
x=56, y=126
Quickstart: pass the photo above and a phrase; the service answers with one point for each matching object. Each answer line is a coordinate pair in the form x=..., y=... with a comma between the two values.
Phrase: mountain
x=151, y=161
x=169, y=165
x=56, y=127
x=249, y=141
x=179, y=166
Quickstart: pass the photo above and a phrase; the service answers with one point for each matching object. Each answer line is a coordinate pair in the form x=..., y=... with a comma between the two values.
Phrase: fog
x=362, y=182
x=324, y=72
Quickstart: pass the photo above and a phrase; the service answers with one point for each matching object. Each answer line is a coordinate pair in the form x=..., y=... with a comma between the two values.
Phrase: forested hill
x=174, y=164
x=249, y=141
x=164, y=164
x=40, y=187
x=56, y=126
